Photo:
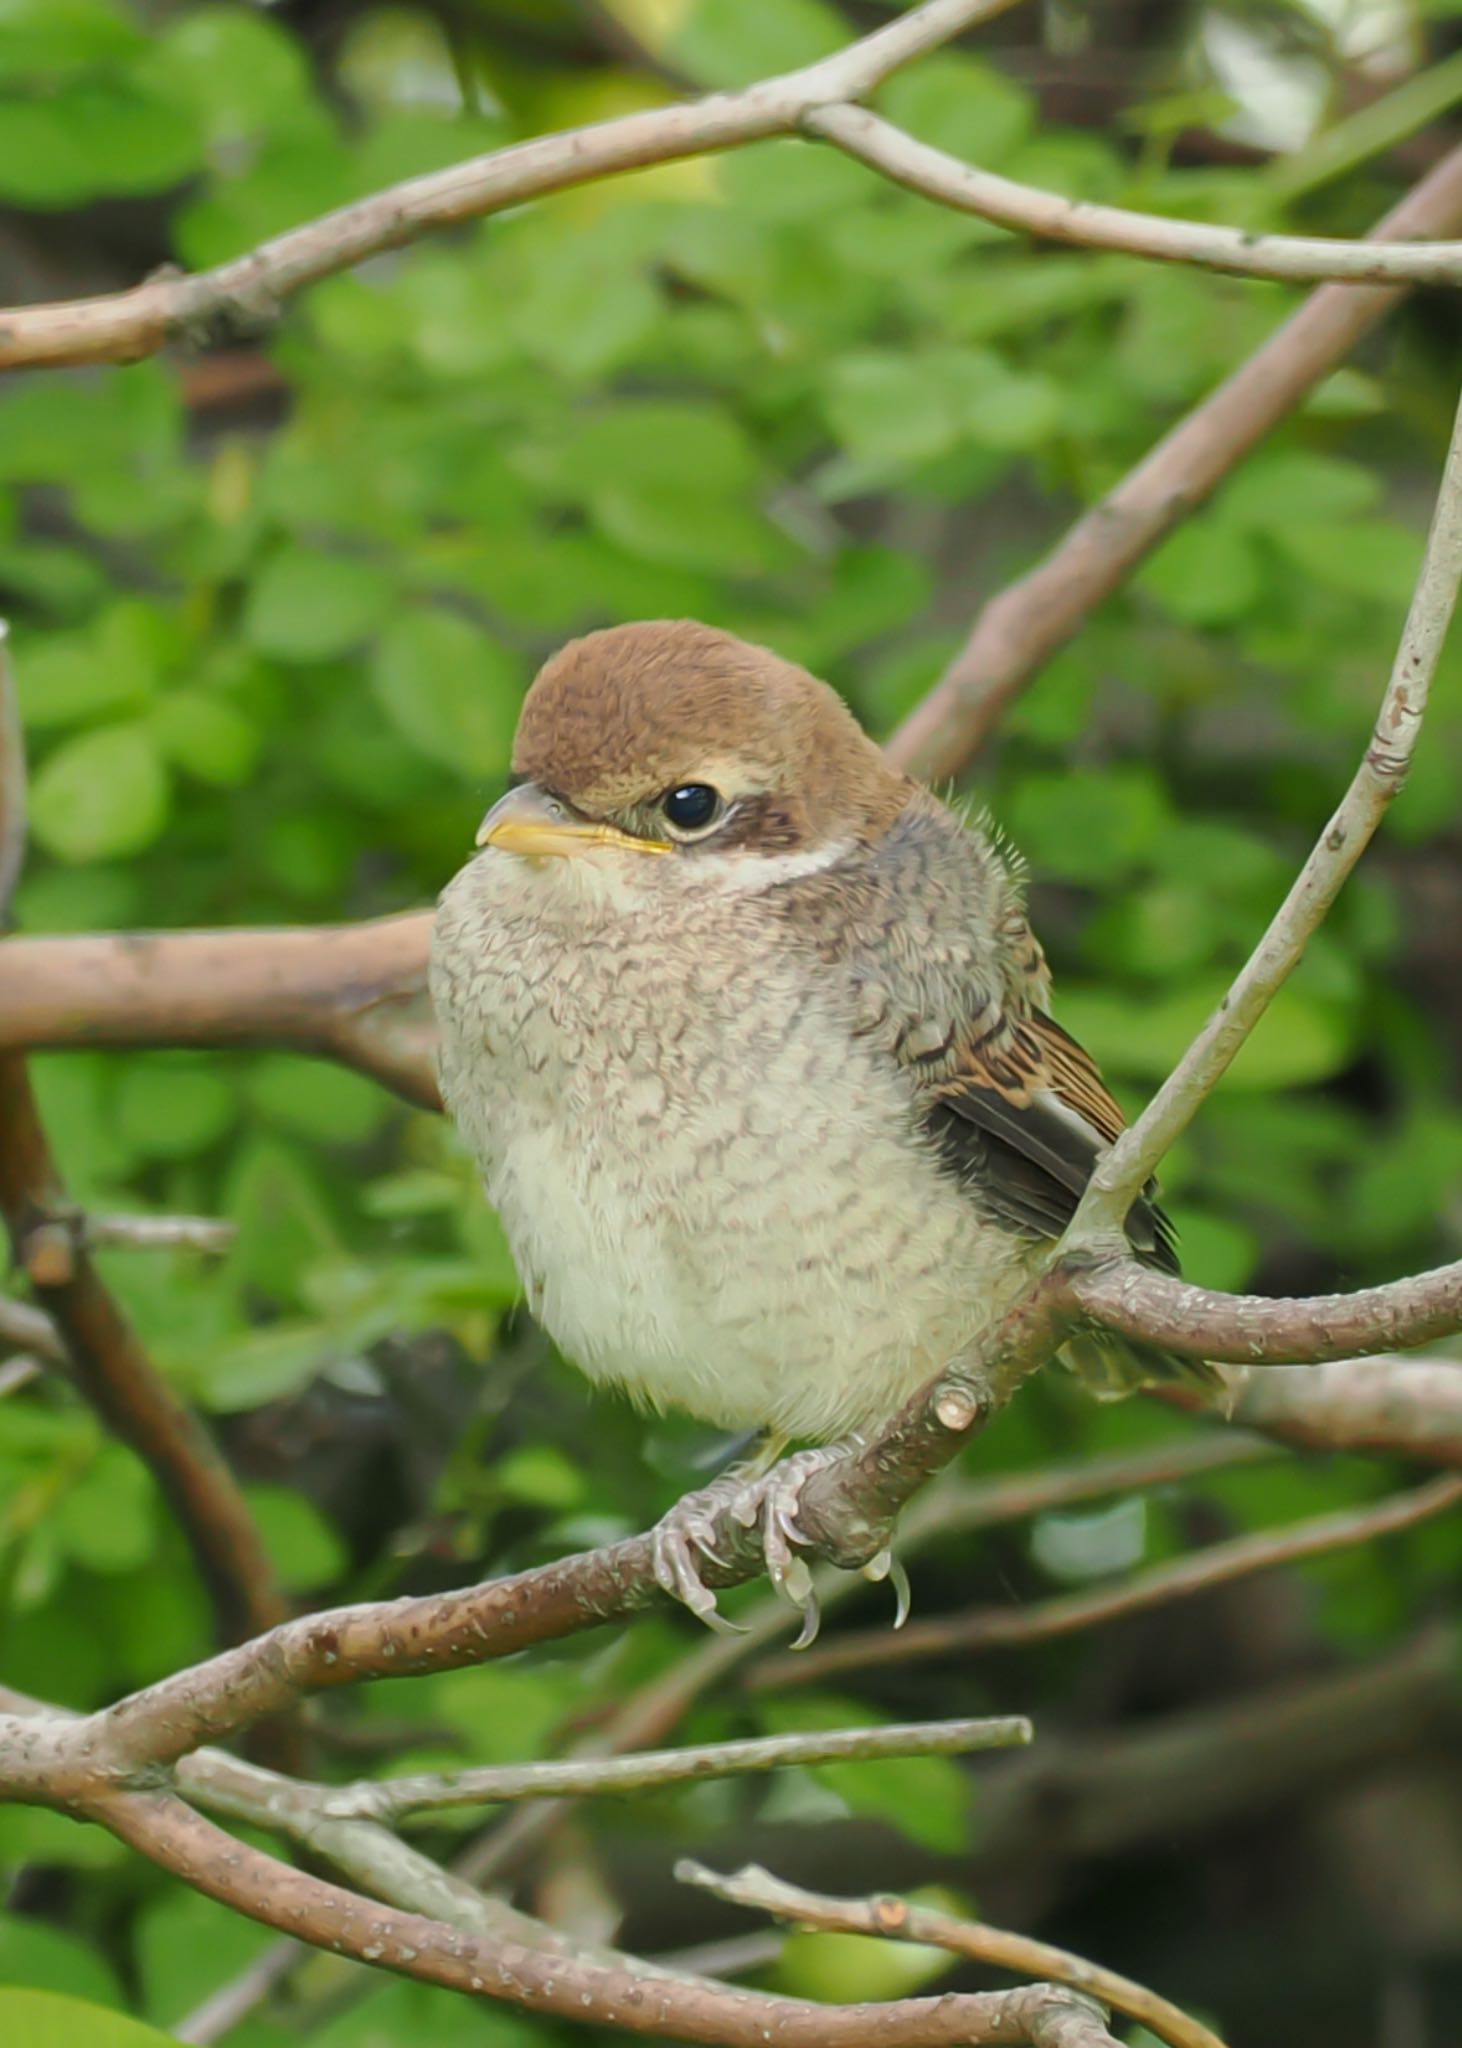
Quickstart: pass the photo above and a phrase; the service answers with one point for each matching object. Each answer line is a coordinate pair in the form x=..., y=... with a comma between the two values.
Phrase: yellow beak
x=530, y=822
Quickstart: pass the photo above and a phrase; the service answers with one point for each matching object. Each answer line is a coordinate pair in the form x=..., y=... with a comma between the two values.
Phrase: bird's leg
x=763, y=1494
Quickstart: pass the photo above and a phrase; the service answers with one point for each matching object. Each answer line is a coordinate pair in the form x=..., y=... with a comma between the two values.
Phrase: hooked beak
x=529, y=821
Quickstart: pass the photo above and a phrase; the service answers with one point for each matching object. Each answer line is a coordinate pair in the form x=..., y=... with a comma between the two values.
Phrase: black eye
x=691, y=806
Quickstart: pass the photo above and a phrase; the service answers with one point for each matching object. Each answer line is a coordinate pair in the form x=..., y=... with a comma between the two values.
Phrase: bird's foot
x=766, y=1501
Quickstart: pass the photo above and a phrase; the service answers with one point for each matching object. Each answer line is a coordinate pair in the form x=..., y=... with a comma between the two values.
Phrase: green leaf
x=927, y=1798
x=306, y=605
x=172, y=1107
x=450, y=690
x=307, y=1552
x=1086, y=827
x=1299, y=1039
x=56, y=430
x=103, y=794
x=207, y=736
x=886, y=407
x=189, y=1947
x=317, y=1099
x=839, y=1969
x=1207, y=574
x=35, y=1834
x=1272, y=492
x=54, y=37
x=542, y=1475
x=653, y=440
x=235, y=68
x=261, y=1365
x=284, y=1222
x=960, y=105
x=405, y=2015
x=44, y=1958
x=737, y=42
x=106, y=1520
x=787, y=179
x=1372, y=558
x=46, y=2019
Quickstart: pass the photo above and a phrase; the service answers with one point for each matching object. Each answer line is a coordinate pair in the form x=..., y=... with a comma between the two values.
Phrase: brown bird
x=748, y=1034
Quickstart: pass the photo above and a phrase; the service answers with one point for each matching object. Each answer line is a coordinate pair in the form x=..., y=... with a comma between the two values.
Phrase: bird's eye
x=691, y=806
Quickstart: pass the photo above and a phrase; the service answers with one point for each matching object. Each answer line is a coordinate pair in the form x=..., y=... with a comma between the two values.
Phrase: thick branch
x=1024, y=624
x=1406, y=1406
x=901, y=1920
x=1377, y=782
x=1255, y=1329
x=349, y=992
x=1014, y=1627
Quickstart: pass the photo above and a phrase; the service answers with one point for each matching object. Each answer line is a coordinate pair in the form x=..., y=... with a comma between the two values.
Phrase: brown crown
x=617, y=717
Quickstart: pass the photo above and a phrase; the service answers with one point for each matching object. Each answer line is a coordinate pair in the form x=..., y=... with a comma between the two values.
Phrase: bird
x=750, y=1038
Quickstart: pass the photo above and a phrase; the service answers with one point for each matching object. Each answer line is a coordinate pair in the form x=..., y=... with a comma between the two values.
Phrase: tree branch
x=249, y=291
x=355, y=993
x=1288, y=259
x=1124, y=1170
x=168, y=1832
x=1014, y=1627
x=1258, y=1329
x=1410, y=1407
x=387, y=1799
x=1024, y=624
x=901, y=1920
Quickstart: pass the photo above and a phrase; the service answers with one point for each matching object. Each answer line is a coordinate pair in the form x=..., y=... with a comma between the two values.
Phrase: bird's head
x=673, y=740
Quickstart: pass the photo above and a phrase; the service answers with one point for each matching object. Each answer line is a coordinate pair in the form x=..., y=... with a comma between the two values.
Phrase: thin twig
x=988, y=1628
x=158, y=1233
x=16, y=1373
x=1021, y=627
x=1377, y=781
x=232, y=2003
x=902, y=1920
x=1024, y=209
x=30, y=1329
x=386, y=1799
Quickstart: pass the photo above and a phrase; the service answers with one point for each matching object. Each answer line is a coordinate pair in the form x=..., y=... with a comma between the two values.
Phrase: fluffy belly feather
x=706, y=1206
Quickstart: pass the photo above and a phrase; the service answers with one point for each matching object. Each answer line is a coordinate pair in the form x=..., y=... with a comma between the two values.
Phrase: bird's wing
x=929, y=931
x=1021, y=1112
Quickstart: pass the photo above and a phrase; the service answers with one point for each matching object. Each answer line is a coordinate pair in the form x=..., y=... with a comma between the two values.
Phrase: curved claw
x=903, y=1593
x=676, y=1574
x=886, y=1566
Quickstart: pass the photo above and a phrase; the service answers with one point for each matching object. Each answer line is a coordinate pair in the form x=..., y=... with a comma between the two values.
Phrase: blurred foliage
x=272, y=625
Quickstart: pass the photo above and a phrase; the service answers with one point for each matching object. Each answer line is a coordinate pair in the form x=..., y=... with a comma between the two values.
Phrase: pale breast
x=715, y=1195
